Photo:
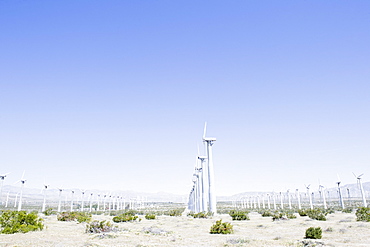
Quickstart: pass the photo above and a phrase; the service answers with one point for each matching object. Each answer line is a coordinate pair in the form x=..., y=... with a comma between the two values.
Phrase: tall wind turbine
x=22, y=181
x=340, y=193
x=2, y=177
x=211, y=177
x=82, y=199
x=362, y=189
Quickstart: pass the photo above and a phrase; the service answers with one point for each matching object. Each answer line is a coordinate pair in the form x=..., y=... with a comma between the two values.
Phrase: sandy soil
x=341, y=229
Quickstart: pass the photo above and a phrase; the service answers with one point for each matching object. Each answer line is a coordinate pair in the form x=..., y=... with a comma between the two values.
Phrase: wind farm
x=184, y=123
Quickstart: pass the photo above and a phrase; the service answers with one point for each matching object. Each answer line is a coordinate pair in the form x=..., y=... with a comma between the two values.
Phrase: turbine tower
x=73, y=193
x=203, y=171
x=211, y=177
x=60, y=198
x=2, y=177
x=22, y=181
x=340, y=193
x=362, y=189
x=44, y=194
x=298, y=199
x=322, y=190
x=309, y=195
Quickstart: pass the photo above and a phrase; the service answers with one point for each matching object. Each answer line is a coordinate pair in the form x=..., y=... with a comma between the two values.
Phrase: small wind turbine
x=44, y=193
x=340, y=193
x=60, y=199
x=281, y=200
x=7, y=199
x=322, y=191
x=362, y=189
x=268, y=201
x=298, y=199
x=22, y=181
x=73, y=193
x=289, y=200
x=82, y=199
x=2, y=177
x=309, y=195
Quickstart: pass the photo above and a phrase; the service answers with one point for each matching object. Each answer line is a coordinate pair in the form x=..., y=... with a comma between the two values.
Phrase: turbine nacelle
x=209, y=139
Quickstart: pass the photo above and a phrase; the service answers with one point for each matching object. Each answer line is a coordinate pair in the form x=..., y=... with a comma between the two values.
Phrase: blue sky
x=114, y=94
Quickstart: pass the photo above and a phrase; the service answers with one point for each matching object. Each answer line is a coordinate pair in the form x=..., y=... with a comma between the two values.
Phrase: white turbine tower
x=22, y=181
x=309, y=195
x=60, y=199
x=322, y=189
x=73, y=193
x=82, y=199
x=44, y=195
x=298, y=199
x=362, y=189
x=340, y=193
x=203, y=172
x=211, y=177
x=289, y=199
x=7, y=199
x=2, y=177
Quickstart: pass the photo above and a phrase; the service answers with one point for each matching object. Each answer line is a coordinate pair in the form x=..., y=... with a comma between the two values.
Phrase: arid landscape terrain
x=340, y=229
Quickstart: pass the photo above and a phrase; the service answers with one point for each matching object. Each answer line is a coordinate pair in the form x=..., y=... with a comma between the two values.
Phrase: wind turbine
x=268, y=201
x=298, y=199
x=289, y=200
x=211, y=177
x=44, y=194
x=340, y=193
x=322, y=191
x=281, y=200
x=7, y=199
x=82, y=199
x=361, y=188
x=73, y=193
x=202, y=179
x=22, y=181
x=60, y=199
x=309, y=195
x=2, y=177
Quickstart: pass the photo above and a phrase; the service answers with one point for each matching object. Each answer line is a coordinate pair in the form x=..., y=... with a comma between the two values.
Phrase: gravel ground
x=340, y=229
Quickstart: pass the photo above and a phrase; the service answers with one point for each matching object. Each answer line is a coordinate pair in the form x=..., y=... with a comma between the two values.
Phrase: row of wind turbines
x=99, y=201
x=274, y=200
x=202, y=197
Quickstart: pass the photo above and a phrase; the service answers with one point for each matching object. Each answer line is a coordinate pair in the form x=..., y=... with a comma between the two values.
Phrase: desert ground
x=340, y=229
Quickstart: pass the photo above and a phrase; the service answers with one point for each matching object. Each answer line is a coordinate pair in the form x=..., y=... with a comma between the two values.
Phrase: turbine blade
x=338, y=177
x=205, y=130
x=23, y=174
x=360, y=175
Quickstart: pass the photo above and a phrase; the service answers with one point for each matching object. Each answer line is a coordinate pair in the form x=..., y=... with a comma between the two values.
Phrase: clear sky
x=114, y=94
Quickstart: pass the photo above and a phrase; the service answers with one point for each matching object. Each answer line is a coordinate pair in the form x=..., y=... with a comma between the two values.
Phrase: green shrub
x=200, y=215
x=175, y=212
x=278, y=216
x=317, y=214
x=19, y=221
x=239, y=215
x=48, y=212
x=74, y=216
x=124, y=218
x=290, y=215
x=266, y=213
x=363, y=214
x=314, y=233
x=302, y=212
x=221, y=228
x=99, y=227
x=347, y=210
x=150, y=216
